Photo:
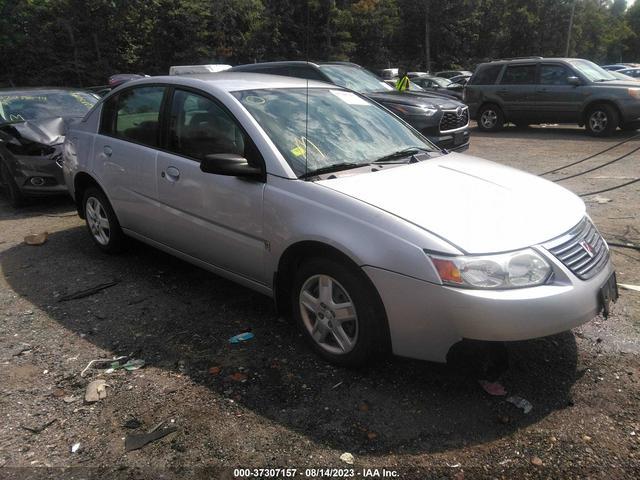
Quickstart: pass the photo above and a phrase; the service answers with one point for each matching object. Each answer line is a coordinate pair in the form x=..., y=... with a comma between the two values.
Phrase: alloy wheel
x=598, y=121
x=489, y=119
x=329, y=314
x=98, y=221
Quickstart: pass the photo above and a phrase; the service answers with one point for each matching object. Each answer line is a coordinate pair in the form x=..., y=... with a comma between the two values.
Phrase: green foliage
x=75, y=42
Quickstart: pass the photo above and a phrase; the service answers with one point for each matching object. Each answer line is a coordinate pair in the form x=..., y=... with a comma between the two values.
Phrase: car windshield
x=442, y=82
x=19, y=106
x=592, y=71
x=343, y=128
x=354, y=78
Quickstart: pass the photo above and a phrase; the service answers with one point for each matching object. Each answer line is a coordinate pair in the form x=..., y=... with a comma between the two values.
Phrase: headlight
x=634, y=92
x=524, y=268
x=410, y=110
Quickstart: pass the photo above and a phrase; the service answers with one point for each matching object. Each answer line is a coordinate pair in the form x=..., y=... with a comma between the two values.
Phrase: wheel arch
x=81, y=182
x=600, y=101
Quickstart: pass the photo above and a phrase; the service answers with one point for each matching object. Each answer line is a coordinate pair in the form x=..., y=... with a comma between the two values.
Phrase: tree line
x=81, y=43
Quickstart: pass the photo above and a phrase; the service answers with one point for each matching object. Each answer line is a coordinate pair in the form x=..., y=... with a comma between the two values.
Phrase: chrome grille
x=452, y=119
x=582, y=250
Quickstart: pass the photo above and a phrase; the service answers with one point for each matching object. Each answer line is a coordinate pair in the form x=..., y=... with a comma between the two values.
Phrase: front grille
x=581, y=249
x=451, y=120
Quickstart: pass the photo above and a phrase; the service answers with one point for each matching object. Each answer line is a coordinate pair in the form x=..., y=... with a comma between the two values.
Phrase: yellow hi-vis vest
x=402, y=84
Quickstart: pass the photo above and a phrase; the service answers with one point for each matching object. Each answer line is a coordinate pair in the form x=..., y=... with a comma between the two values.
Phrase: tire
x=490, y=118
x=9, y=186
x=364, y=332
x=101, y=220
x=601, y=120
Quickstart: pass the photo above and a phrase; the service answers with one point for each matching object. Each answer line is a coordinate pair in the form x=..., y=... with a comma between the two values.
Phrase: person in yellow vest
x=403, y=81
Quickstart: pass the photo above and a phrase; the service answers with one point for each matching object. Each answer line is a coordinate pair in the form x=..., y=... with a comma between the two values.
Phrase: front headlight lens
x=524, y=268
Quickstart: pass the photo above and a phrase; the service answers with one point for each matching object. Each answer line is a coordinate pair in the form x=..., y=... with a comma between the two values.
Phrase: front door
x=557, y=100
x=214, y=218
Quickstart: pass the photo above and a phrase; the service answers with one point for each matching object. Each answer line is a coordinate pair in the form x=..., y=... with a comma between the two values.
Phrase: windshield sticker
x=298, y=151
x=82, y=100
x=255, y=100
x=349, y=98
x=14, y=98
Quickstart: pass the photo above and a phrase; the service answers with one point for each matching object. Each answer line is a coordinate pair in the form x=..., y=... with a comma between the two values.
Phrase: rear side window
x=486, y=75
x=554, y=75
x=519, y=75
x=200, y=127
x=134, y=115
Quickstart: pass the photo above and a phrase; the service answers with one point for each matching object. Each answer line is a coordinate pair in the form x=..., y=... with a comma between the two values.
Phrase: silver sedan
x=371, y=238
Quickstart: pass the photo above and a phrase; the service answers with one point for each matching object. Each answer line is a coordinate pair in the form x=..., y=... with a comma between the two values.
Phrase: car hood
x=476, y=205
x=415, y=99
x=48, y=131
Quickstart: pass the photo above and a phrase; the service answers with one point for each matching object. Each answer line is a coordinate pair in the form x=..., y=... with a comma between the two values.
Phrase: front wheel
x=490, y=118
x=339, y=312
x=602, y=120
x=102, y=222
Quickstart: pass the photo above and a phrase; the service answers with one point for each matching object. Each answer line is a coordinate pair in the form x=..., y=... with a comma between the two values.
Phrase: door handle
x=171, y=173
x=108, y=151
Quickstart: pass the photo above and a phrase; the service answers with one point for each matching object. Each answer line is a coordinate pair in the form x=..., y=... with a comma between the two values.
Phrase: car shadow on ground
x=179, y=318
x=55, y=206
x=551, y=133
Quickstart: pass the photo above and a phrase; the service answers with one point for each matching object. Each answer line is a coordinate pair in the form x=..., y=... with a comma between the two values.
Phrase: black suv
x=442, y=119
x=552, y=90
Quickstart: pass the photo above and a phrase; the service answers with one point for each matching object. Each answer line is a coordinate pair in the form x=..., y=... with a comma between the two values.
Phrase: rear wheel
x=338, y=312
x=9, y=186
x=602, y=120
x=490, y=118
x=102, y=222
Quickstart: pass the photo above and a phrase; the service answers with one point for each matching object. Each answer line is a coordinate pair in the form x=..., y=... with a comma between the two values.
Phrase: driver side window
x=200, y=127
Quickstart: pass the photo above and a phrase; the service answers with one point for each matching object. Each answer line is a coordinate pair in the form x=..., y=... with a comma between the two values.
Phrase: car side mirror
x=230, y=164
x=575, y=81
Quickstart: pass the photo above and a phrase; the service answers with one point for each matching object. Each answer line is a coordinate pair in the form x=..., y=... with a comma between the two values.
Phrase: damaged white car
x=368, y=235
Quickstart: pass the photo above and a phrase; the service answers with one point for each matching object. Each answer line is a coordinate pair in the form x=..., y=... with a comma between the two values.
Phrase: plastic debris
x=347, y=458
x=129, y=366
x=36, y=239
x=601, y=200
x=96, y=390
x=454, y=465
x=135, y=442
x=337, y=385
x=87, y=292
x=493, y=388
x=75, y=447
x=521, y=403
x=40, y=428
x=626, y=286
x=101, y=361
x=242, y=337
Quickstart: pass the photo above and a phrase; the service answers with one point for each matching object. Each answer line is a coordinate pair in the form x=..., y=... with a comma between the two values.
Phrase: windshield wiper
x=406, y=152
x=332, y=168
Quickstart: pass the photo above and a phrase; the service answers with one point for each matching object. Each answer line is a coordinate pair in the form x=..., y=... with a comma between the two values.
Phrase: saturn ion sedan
x=364, y=232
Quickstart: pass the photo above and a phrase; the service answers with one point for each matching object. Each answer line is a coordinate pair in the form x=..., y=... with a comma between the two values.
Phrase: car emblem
x=587, y=248
x=459, y=111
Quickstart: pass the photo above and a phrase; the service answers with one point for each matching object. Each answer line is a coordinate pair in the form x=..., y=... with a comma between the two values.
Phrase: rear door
x=556, y=99
x=214, y=218
x=516, y=91
x=125, y=155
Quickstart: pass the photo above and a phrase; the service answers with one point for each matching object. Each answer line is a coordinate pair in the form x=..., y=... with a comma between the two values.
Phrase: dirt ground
x=270, y=402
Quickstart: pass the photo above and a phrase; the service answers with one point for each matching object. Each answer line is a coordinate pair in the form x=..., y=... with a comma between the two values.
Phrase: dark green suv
x=533, y=90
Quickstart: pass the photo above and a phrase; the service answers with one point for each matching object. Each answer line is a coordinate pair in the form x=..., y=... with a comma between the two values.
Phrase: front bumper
x=426, y=319
x=39, y=175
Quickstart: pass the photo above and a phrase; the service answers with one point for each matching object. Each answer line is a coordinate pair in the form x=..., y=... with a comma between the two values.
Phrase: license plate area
x=459, y=138
x=608, y=294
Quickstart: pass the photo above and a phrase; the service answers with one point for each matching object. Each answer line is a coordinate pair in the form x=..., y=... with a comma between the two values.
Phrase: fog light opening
x=37, y=181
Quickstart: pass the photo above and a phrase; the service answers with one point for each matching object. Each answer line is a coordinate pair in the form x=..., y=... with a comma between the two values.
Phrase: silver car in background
x=369, y=236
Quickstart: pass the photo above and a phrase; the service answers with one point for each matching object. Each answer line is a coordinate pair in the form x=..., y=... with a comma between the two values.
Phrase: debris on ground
x=537, y=461
x=70, y=399
x=87, y=292
x=132, y=424
x=36, y=239
x=521, y=403
x=241, y=337
x=493, y=388
x=75, y=447
x=129, y=366
x=337, y=385
x=600, y=200
x=135, y=442
x=215, y=370
x=96, y=390
x=99, y=361
x=40, y=428
x=347, y=458
x=20, y=349
x=238, y=377
x=626, y=286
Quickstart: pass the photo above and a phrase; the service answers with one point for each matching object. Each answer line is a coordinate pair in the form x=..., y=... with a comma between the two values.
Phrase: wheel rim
x=489, y=118
x=329, y=314
x=598, y=121
x=98, y=221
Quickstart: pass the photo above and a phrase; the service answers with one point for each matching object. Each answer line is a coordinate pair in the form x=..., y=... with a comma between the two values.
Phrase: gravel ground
x=269, y=402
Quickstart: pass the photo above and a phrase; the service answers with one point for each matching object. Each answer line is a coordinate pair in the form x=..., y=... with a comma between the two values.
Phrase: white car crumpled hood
x=477, y=205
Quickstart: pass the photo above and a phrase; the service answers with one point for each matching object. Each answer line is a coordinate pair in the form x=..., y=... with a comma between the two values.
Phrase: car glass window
x=354, y=78
x=20, y=106
x=199, y=127
x=486, y=75
x=309, y=73
x=519, y=75
x=342, y=126
x=554, y=75
x=592, y=71
x=138, y=115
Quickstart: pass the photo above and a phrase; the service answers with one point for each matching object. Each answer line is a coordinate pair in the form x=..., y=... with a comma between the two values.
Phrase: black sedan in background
x=441, y=118
x=439, y=85
x=33, y=123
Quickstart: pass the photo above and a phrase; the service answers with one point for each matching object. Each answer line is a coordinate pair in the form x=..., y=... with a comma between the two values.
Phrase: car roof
x=234, y=81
